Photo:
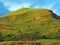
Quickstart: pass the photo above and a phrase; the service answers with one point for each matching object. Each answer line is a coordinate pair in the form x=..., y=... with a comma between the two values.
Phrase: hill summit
x=30, y=24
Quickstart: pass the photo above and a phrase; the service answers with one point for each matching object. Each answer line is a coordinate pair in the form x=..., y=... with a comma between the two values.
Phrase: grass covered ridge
x=29, y=25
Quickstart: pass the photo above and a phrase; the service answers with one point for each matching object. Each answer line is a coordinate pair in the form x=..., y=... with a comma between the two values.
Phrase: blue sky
x=7, y=6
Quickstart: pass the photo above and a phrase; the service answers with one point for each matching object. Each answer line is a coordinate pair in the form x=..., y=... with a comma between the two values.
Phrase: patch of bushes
x=9, y=37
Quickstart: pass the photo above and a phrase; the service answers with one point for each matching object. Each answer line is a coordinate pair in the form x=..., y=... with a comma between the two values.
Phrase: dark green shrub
x=58, y=35
x=9, y=37
x=1, y=37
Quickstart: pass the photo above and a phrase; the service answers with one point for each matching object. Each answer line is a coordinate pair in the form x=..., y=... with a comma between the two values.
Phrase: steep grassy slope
x=30, y=24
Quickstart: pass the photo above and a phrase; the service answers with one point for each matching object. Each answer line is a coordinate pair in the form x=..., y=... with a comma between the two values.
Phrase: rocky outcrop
x=54, y=15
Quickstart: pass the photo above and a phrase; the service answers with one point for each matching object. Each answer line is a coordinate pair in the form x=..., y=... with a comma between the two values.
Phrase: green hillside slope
x=29, y=24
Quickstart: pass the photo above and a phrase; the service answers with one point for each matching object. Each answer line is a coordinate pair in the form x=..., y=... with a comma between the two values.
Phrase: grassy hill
x=29, y=25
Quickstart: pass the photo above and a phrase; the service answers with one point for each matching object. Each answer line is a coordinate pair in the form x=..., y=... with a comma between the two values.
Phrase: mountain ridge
x=23, y=11
x=30, y=24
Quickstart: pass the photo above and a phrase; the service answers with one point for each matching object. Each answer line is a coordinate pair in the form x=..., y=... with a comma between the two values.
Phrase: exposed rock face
x=54, y=15
x=38, y=18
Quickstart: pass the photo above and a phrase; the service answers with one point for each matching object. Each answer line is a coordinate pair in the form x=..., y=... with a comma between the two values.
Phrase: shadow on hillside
x=55, y=15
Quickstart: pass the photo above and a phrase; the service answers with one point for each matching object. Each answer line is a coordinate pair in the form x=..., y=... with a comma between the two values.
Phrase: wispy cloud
x=37, y=6
x=26, y=5
x=18, y=6
x=12, y=6
x=49, y=6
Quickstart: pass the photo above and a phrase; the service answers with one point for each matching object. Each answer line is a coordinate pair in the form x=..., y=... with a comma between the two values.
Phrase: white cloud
x=50, y=6
x=26, y=5
x=36, y=7
x=12, y=6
